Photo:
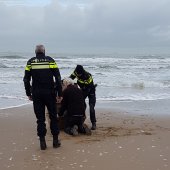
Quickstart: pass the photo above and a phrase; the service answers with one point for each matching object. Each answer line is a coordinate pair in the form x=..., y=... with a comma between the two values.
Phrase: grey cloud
x=97, y=23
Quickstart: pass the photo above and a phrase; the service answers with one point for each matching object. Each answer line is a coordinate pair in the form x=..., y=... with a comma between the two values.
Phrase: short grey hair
x=40, y=49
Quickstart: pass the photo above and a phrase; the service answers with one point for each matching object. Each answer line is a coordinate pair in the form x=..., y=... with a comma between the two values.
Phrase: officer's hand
x=58, y=99
x=30, y=98
x=95, y=85
x=60, y=114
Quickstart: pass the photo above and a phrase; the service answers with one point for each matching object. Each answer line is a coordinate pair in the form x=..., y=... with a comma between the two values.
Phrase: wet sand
x=121, y=141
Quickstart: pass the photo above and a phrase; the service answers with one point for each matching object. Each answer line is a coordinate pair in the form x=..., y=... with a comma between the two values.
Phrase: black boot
x=87, y=130
x=43, y=145
x=56, y=142
x=93, y=126
x=74, y=130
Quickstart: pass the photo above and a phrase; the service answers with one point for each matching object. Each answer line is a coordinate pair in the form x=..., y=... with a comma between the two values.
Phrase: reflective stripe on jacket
x=84, y=81
x=42, y=70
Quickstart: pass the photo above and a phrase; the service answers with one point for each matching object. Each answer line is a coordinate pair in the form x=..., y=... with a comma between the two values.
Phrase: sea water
x=119, y=78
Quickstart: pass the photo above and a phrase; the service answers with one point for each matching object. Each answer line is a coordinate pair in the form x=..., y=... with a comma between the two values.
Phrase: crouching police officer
x=73, y=109
x=41, y=69
x=85, y=81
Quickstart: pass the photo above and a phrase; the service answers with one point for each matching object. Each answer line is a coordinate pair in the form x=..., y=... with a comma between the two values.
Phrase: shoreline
x=121, y=141
x=11, y=107
x=130, y=106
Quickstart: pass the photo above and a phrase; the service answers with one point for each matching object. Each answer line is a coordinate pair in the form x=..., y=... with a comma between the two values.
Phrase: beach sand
x=122, y=141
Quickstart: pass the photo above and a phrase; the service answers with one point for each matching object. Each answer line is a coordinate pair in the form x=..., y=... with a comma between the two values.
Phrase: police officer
x=41, y=71
x=73, y=109
x=85, y=81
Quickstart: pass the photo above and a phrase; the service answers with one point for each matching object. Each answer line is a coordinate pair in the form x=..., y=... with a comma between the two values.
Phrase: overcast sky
x=84, y=25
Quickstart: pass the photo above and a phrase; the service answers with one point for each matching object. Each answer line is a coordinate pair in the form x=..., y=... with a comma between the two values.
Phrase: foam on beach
x=10, y=107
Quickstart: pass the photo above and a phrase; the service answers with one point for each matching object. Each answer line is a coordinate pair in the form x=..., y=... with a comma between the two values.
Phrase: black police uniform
x=41, y=70
x=74, y=105
x=85, y=81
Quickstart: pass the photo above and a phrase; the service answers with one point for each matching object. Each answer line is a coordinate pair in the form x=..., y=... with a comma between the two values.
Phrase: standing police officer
x=85, y=81
x=41, y=70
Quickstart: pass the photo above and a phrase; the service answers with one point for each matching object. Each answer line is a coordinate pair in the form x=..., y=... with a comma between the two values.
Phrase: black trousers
x=70, y=121
x=90, y=93
x=42, y=98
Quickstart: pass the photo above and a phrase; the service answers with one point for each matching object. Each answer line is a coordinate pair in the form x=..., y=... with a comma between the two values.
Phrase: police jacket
x=41, y=70
x=73, y=102
x=85, y=81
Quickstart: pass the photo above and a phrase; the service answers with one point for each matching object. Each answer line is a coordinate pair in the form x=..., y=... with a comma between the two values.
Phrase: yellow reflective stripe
x=74, y=74
x=40, y=66
x=81, y=81
x=89, y=80
x=53, y=65
x=86, y=81
x=28, y=67
x=40, y=63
